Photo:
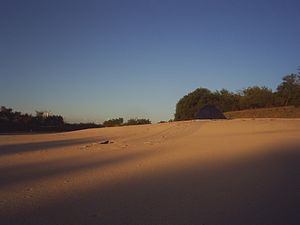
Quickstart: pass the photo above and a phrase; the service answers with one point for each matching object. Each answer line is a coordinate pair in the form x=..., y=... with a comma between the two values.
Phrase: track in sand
x=194, y=172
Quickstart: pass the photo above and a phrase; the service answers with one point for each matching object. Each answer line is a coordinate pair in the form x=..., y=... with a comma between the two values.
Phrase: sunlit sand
x=194, y=172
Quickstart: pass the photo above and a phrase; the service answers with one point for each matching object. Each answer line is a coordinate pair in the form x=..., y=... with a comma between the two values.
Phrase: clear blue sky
x=93, y=60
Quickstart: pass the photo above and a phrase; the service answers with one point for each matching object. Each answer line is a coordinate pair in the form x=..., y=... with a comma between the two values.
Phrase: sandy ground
x=197, y=172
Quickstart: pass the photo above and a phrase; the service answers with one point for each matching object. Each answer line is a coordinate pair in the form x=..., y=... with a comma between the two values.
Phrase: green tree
x=189, y=104
x=288, y=91
x=256, y=97
x=227, y=101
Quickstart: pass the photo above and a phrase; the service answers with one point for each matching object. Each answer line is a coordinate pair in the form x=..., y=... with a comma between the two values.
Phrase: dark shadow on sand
x=45, y=145
x=260, y=190
x=14, y=175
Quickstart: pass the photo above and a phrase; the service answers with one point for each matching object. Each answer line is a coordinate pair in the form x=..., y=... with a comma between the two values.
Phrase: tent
x=209, y=112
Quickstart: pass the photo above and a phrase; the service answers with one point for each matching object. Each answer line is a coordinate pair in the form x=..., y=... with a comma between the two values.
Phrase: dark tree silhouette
x=288, y=93
x=11, y=121
x=113, y=122
x=138, y=121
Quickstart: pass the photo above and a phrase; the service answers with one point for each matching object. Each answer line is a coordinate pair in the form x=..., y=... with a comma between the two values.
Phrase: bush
x=137, y=122
x=113, y=122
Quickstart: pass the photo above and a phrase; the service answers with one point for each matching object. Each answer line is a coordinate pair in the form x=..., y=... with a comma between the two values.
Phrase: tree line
x=287, y=93
x=120, y=122
x=12, y=121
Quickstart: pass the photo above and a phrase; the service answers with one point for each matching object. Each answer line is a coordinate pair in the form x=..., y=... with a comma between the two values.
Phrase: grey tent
x=209, y=112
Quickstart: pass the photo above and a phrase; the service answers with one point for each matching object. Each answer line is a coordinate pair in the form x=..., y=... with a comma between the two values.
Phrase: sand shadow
x=258, y=190
x=9, y=149
x=32, y=172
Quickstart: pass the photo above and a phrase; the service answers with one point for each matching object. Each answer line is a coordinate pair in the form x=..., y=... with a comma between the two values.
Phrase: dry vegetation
x=276, y=112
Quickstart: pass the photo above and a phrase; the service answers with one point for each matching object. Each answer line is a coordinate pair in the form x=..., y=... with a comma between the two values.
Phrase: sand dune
x=195, y=172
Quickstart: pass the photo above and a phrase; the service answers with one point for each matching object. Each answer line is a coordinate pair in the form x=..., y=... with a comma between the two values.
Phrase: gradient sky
x=94, y=60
